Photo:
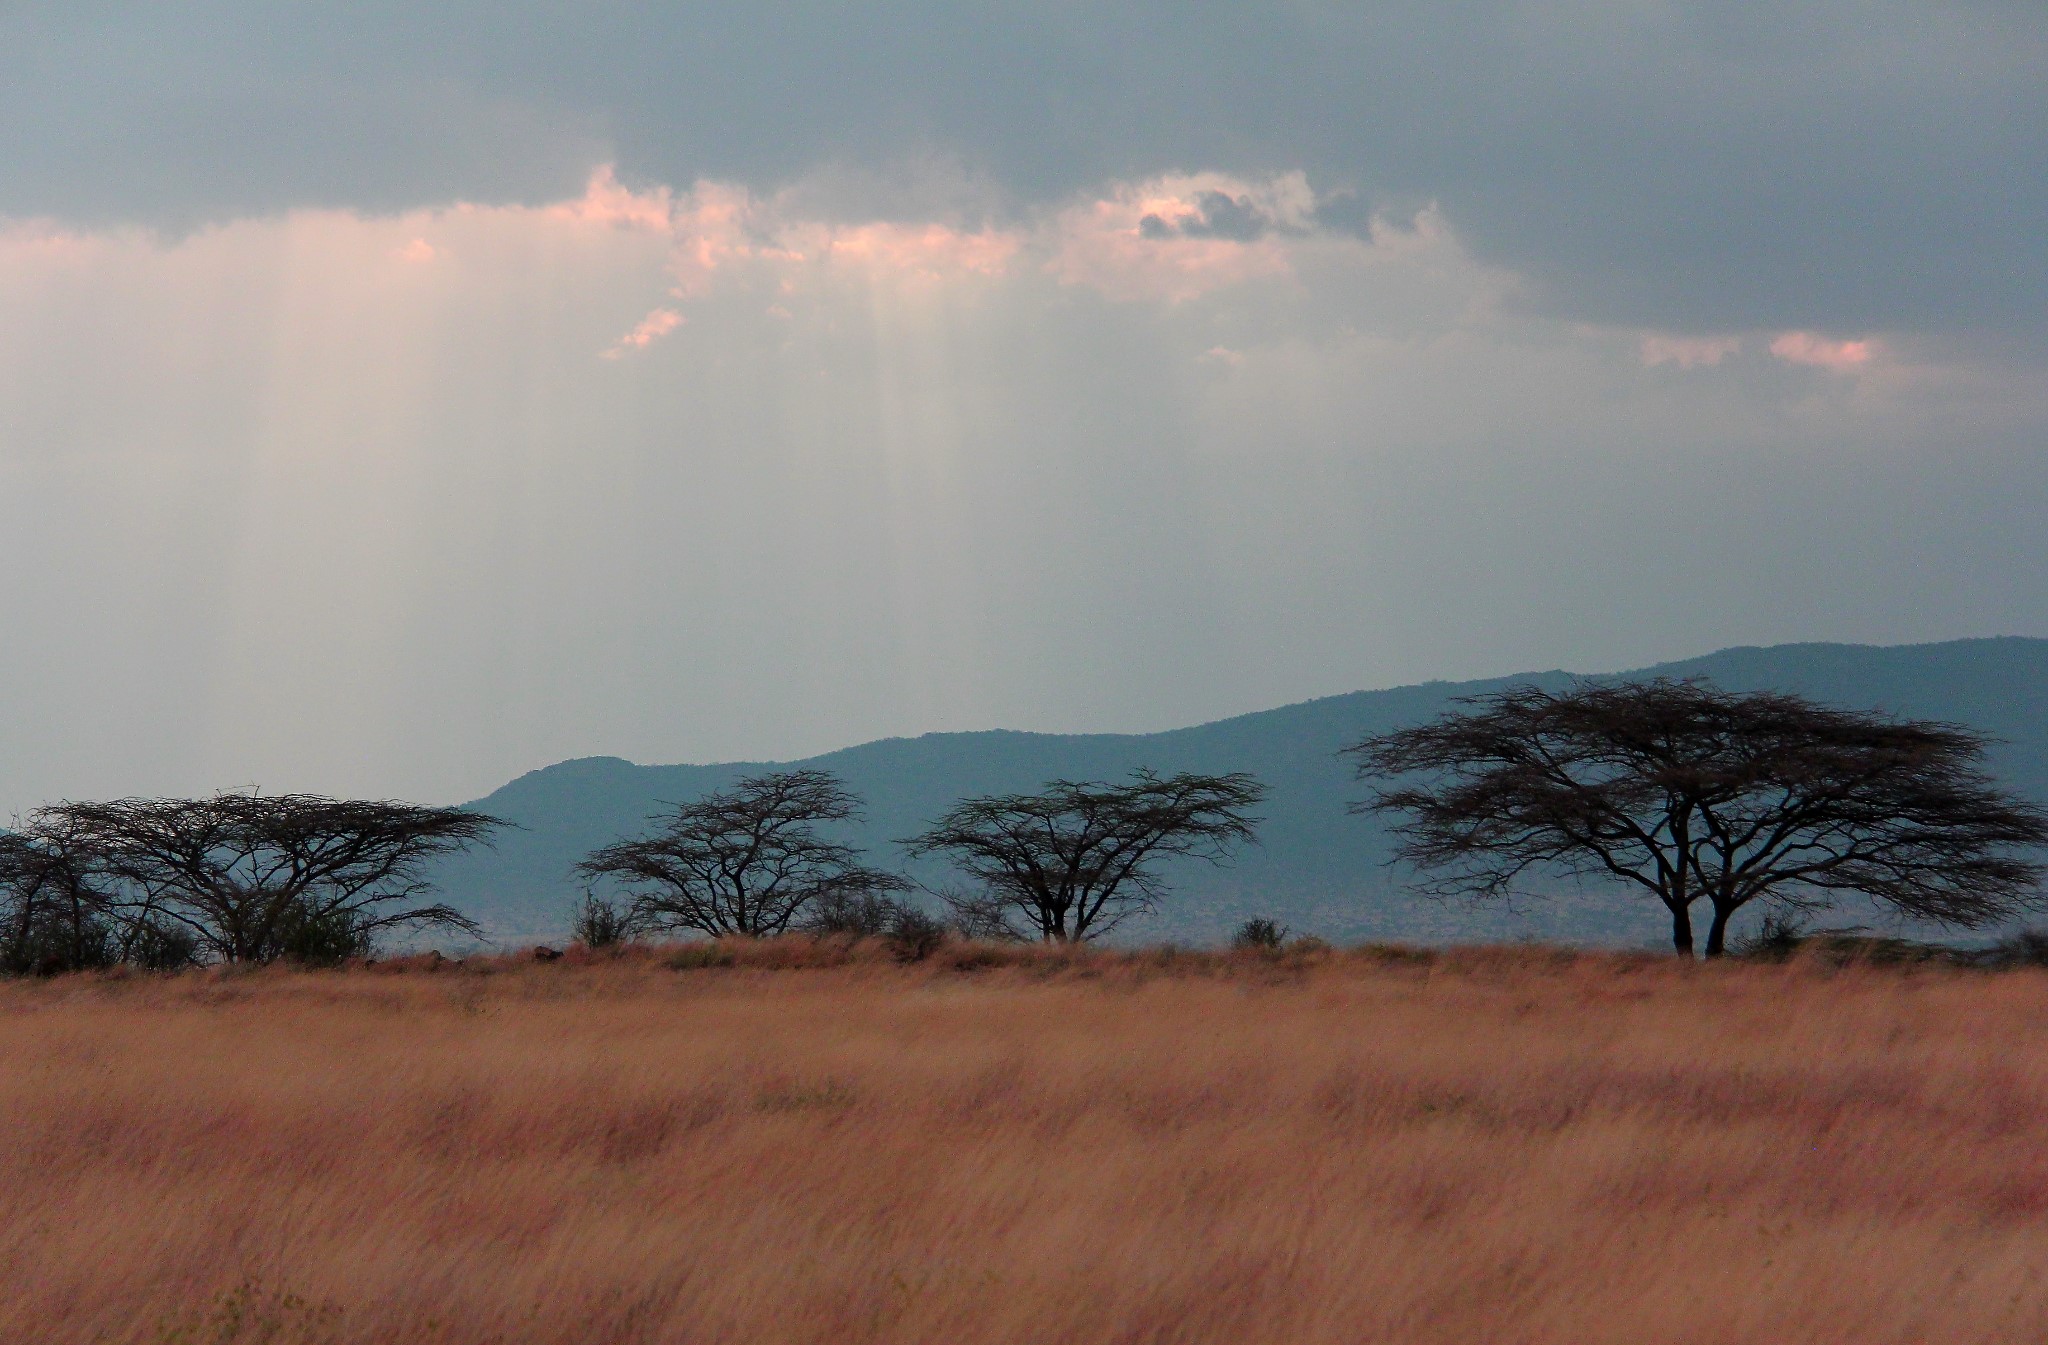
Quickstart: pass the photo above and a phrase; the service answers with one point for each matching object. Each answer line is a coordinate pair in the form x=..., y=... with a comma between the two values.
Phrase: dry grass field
x=1483, y=1146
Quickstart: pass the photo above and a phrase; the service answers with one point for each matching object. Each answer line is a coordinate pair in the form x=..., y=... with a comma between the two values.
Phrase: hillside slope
x=1318, y=868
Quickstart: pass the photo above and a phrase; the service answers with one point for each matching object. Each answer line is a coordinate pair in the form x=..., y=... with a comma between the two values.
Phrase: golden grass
x=1489, y=1146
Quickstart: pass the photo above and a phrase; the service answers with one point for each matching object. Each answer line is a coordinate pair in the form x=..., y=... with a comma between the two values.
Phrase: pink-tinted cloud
x=652, y=328
x=1168, y=239
x=1687, y=352
x=49, y=243
x=719, y=228
x=418, y=252
x=1822, y=353
x=1177, y=238
x=714, y=228
x=606, y=201
x=931, y=251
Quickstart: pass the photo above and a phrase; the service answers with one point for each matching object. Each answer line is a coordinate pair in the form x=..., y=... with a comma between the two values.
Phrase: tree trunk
x=1717, y=932
x=1681, y=929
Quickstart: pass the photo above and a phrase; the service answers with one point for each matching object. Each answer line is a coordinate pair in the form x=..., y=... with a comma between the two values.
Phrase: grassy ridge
x=797, y=1142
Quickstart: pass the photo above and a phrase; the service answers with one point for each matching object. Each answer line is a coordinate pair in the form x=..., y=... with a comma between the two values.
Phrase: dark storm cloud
x=1845, y=163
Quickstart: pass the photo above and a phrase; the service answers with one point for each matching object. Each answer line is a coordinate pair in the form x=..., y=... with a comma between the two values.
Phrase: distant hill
x=1318, y=868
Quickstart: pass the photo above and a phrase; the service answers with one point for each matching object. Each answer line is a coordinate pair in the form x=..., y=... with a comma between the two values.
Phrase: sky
x=397, y=398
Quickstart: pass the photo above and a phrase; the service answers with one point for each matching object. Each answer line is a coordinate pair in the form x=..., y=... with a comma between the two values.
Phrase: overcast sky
x=398, y=398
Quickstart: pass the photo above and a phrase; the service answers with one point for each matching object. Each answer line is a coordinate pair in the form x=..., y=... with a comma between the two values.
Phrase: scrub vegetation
x=823, y=1140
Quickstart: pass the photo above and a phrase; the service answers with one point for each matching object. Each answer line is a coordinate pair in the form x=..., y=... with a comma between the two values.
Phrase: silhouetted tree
x=747, y=860
x=253, y=877
x=1072, y=861
x=1688, y=792
x=55, y=915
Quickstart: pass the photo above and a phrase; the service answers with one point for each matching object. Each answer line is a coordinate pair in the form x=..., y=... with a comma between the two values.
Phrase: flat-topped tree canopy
x=1689, y=792
x=251, y=877
x=1074, y=860
x=749, y=860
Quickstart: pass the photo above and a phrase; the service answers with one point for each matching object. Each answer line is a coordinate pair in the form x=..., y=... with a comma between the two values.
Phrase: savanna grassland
x=817, y=1145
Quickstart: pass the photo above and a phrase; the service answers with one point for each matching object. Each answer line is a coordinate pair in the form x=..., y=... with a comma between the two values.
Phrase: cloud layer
x=394, y=397
x=1841, y=164
x=407, y=502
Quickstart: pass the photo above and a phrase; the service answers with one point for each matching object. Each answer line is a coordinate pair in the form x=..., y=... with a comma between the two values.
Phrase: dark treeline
x=1692, y=796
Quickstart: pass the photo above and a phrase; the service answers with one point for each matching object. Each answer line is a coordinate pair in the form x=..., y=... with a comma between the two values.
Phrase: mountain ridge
x=1319, y=868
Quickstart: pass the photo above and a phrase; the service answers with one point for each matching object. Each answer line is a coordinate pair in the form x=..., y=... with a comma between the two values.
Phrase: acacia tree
x=746, y=860
x=63, y=909
x=1073, y=861
x=1690, y=793
x=55, y=915
x=252, y=877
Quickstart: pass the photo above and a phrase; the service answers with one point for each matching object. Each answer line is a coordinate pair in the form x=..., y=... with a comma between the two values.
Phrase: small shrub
x=1167, y=957
x=598, y=922
x=2028, y=948
x=699, y=955
x=54, y=944
x=789, y=952
x=315, y=938
x=1782, y=936
x=1395, y=954
x=914, y=935
x=1776, y=939
x=1847, y=947
x=981, y=917
x=1307, y=945
x=162, y=945
x=859, y=915
x=976, y=955
x=1259, y=935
